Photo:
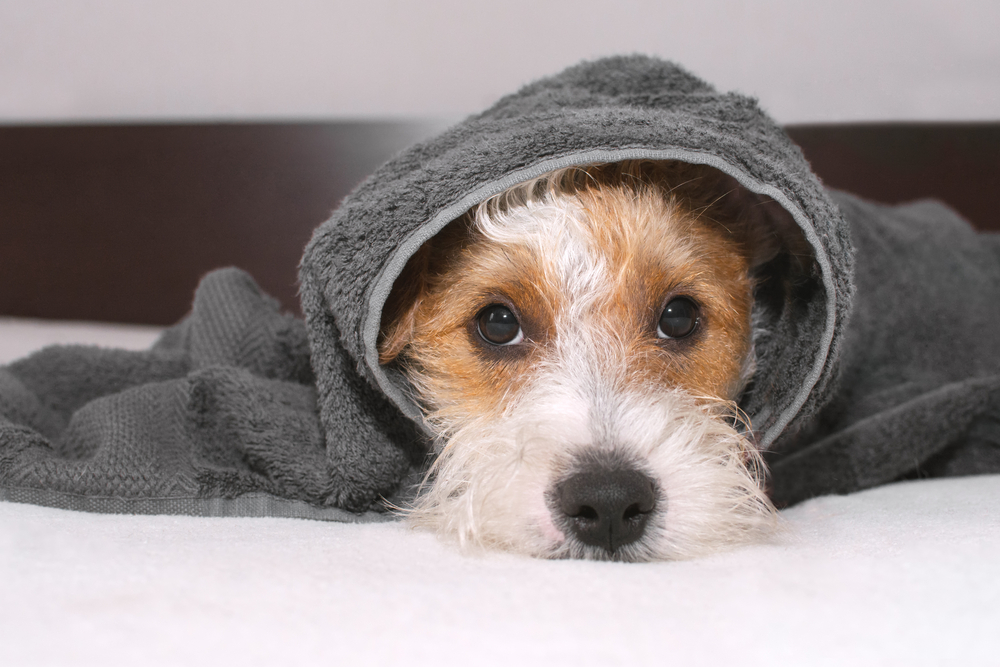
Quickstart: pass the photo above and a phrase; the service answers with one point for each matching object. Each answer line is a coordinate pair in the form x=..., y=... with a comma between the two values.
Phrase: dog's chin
x=497, y=483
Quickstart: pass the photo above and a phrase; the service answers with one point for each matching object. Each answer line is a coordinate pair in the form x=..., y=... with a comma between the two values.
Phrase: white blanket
x=905, y=574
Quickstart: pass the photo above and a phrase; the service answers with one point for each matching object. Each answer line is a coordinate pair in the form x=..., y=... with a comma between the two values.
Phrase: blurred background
x=146, y=60
x=146, y=142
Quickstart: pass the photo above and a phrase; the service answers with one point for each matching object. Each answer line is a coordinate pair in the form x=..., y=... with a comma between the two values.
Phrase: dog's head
x=578, y=343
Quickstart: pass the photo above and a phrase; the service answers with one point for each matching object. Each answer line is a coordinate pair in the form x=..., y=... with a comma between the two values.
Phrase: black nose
x=606, y=506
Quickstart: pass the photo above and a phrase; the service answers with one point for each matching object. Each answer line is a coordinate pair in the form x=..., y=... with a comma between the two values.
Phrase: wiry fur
x=586, y=257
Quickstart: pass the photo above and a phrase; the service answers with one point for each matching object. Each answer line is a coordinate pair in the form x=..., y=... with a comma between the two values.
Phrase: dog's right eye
x=499, y=326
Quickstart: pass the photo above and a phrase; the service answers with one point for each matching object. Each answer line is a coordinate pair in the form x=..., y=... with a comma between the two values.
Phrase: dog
x=577, y=344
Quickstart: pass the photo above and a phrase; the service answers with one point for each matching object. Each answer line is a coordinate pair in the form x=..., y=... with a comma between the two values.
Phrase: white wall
x=807, y=60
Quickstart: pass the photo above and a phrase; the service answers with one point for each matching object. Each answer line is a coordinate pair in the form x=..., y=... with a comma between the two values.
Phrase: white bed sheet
x=901, y=575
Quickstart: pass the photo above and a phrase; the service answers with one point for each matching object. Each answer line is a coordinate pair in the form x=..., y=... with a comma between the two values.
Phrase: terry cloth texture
x=225, y=408
x=218, y=418
x=919, y=383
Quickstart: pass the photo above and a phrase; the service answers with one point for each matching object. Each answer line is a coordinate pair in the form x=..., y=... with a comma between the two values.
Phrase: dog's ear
x=413, y=288
x=762, y=226
x=768, y=231
x=400, y=311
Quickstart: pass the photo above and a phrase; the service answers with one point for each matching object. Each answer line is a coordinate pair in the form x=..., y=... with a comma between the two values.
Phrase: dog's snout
x=606, y=507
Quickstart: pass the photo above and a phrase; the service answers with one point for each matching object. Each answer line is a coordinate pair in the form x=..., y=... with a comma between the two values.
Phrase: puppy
x=578, y=344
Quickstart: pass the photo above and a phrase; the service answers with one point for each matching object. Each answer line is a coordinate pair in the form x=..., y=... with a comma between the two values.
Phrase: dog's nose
x=606, y=507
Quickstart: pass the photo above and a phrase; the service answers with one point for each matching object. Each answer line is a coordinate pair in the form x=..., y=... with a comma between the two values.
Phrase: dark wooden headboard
x=118, y=222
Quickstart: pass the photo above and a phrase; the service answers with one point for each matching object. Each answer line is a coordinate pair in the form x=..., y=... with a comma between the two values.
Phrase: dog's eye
x=498, y=325
x=679, y=318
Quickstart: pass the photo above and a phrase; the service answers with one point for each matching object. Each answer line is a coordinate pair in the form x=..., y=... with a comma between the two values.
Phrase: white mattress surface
x=901, y=575
x=21, y=336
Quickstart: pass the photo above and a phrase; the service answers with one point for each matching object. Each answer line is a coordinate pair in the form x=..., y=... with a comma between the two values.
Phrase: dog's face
x=577, y=346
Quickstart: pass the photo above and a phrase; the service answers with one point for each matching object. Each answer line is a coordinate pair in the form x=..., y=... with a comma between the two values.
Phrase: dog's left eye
x=499, y=326
x=679, y=318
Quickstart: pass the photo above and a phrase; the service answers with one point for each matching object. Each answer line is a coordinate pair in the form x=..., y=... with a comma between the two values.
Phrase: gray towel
x=240, y=410
x=919, y=382
x=218, y=418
